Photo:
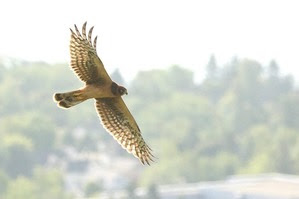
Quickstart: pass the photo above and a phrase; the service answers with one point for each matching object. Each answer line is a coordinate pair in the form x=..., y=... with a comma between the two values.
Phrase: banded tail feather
x=68, y=99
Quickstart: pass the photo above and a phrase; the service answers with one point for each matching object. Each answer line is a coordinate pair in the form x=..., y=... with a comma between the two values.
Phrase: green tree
x=212, y=68
x=15, y=155
x=49, y=184
x=21, y=188
x=4, y=179
x=45, y=184
x=273, y=69
x=37, y=128
x=93, y=188
x=242, y=118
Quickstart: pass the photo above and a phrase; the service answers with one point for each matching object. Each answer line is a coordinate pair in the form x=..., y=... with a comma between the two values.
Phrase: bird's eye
x=121, y=91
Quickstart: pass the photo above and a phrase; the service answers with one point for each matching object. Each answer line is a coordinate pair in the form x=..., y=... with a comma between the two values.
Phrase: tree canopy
x=241, y=118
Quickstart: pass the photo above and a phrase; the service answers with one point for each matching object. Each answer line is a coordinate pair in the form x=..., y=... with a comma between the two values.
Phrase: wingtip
x=72, y=31
x=91, y=29
x=95, y=42
x=148, y=160
x=77, y=30
x=90, y=35
x=84, y=30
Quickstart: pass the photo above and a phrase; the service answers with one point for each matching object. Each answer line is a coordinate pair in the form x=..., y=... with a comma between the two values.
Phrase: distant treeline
x=242, y=118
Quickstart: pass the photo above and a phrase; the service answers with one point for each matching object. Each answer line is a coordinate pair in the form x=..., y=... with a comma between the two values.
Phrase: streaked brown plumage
x=113, y=112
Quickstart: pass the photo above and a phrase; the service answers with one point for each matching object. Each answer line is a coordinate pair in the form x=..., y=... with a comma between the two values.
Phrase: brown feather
x=120, y=123
x=84, y=59
x=95, y=43
x=84, y=30
x=89, y=35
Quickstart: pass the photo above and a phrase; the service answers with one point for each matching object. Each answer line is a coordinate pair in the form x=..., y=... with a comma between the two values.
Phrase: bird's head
x=118, y=90
x=122, y=90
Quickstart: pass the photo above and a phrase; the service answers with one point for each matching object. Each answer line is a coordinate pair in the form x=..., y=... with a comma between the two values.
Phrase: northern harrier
x=113, y=112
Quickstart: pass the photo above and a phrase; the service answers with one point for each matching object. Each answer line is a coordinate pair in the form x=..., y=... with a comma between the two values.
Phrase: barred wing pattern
x=119, y=122
x=84, y=59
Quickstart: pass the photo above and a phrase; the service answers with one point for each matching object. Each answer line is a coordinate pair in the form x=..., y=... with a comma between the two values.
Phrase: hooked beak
x=126, y=92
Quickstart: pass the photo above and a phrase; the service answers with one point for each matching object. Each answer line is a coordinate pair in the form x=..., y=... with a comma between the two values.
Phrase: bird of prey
x=113, y=112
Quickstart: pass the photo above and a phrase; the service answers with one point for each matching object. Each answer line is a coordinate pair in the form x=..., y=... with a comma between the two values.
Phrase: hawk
x=113, y=112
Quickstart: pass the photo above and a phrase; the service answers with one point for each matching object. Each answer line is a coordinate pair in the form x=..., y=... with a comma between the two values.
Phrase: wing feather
x=84, y=59
x=120, y=123
x=89, y=35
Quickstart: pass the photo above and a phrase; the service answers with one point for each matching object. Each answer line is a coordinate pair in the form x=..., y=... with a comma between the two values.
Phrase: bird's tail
x=69, y=99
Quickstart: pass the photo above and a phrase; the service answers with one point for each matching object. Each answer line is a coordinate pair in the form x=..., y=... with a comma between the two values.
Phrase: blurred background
x=213, y=86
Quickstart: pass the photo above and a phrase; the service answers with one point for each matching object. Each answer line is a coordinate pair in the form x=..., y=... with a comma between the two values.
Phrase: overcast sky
x=138, y=35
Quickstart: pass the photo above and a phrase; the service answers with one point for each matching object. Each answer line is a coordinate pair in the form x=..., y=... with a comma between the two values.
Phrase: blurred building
x=82, y=168
x=263, y=186
x=113, y=176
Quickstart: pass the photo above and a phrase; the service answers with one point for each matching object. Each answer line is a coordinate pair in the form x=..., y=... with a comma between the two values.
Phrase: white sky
x=137, y=34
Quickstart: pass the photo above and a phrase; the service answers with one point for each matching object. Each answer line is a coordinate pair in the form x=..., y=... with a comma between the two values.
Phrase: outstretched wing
x=84, y=59
x=119, y=122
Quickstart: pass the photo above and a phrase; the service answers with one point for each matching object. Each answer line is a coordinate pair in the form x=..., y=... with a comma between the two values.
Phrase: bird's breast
x=97, y=91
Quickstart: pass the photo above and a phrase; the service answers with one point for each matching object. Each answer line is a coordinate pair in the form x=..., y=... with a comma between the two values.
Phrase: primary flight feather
x=113, y=112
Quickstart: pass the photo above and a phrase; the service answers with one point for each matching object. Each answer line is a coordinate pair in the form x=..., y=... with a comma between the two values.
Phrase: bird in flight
x=113, y=112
